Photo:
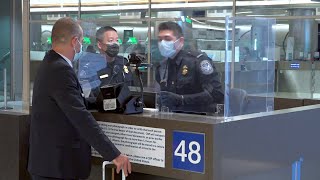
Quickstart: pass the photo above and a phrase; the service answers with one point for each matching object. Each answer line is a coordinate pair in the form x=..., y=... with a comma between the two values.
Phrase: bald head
x=64, y=30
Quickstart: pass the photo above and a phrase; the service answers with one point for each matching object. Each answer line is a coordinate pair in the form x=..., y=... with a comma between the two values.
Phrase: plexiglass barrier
x=107, y=59
x=250, y=67
x=189, y=81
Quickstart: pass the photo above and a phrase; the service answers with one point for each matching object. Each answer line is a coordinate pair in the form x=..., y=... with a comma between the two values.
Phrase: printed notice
x=143, y=145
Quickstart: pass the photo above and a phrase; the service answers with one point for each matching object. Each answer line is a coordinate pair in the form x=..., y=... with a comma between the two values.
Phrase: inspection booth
x=244, y=139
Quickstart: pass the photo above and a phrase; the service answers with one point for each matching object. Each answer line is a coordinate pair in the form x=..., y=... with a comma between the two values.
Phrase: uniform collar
x=178, y=58
x=118, y=60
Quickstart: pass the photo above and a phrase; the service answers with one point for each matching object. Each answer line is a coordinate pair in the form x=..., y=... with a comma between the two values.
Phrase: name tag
x=104, y=76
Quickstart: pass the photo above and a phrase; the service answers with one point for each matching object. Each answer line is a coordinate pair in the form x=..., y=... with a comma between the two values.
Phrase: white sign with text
x=143, y=145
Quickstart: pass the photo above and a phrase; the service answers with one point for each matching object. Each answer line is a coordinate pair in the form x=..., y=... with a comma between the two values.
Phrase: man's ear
x=74, y=41
x=181, y=42
x=99, y=45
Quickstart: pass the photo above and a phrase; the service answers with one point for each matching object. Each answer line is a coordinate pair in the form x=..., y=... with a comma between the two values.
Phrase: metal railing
x=5, y=57
x=2, y=61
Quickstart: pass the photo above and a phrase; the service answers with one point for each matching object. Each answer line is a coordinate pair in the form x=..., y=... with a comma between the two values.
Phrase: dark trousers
x=36, y=177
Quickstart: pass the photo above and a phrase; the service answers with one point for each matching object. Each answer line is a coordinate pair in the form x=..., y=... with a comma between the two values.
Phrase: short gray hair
x=64, y=29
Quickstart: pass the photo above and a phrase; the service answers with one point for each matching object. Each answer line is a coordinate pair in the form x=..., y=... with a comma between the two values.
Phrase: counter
x=256, y=146
x=14, y=135
x=247, y=147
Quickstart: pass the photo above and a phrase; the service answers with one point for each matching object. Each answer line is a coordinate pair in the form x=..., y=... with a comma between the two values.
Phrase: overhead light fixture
x=244, y=12
x=109, y=15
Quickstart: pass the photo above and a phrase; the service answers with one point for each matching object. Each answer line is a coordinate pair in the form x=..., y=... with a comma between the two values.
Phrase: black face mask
x=112, y=50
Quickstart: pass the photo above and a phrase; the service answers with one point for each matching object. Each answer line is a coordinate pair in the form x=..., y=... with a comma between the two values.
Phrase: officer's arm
x=95, y=86
x=210, y=84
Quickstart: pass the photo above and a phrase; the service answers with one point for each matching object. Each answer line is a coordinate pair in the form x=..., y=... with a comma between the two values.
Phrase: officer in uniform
x=116, y=70
x=188, y=80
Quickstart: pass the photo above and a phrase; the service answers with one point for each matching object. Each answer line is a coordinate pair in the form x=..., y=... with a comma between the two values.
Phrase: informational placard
x=188, y=151
x=143, y=145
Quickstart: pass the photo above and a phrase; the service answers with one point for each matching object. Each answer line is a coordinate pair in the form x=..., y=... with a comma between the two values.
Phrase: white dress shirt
x=66, y=59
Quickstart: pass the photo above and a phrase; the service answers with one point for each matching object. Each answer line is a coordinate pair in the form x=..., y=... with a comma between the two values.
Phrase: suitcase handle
x=104, y=170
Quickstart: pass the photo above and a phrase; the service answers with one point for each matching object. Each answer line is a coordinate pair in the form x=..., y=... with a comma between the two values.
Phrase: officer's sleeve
x=210, y=84
x=66, y=94
x=95, y=82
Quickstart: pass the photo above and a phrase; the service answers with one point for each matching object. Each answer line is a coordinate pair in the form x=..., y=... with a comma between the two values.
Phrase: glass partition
x=40, y=43
x=202, y=23
x=187, y=10
x=277, y=8
x=52, y=10
x=250, y=67
x=11, y=56
x=187, y=80
x=5, y=49
x=99, y=67
x=104, y=11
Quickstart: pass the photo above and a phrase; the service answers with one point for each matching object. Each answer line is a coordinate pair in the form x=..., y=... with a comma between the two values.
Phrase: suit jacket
x=62, y=129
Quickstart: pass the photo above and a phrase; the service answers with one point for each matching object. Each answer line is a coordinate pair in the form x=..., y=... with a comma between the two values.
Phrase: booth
x=242, y=139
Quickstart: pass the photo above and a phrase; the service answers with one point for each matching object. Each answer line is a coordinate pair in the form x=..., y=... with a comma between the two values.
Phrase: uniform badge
x=104, y=76
x=184, y=70
x=206, y=67
x=125, y=69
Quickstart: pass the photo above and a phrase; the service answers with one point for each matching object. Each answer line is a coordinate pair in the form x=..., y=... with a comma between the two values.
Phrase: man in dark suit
x=62, y=129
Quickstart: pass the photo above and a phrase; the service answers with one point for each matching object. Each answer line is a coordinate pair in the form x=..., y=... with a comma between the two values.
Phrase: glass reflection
x=187, y=79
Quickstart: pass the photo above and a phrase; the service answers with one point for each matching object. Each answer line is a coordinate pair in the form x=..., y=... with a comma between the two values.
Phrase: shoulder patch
x=206, y=67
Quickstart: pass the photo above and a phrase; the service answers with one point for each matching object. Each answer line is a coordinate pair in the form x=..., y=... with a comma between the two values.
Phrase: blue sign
x=295, y=65
x=188, y=151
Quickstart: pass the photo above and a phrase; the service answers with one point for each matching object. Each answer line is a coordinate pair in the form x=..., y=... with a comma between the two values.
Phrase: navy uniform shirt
x=193, y=75
x=115, y=72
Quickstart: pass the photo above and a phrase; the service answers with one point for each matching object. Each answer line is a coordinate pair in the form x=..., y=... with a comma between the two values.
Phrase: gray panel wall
x=14, y=135
x=266, y=147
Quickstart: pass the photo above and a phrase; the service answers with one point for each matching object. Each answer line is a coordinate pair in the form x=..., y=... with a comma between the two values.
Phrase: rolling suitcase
x=104, y=170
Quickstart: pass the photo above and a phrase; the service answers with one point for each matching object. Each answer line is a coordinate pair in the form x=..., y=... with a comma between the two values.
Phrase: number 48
x=181, y=151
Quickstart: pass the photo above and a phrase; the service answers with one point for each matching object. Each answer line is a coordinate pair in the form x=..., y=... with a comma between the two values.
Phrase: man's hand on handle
x=122, y=162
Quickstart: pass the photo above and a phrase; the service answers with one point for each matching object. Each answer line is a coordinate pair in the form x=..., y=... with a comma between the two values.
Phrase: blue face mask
x=77, y=55
x=167, y=48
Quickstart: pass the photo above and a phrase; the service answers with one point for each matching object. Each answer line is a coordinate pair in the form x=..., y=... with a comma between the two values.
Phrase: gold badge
x=125, y=69
x=184, y=70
